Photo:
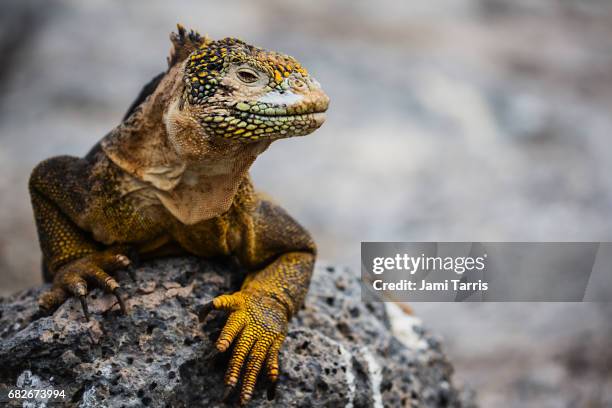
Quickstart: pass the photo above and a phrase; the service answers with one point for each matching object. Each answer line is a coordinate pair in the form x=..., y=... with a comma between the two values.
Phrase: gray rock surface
x=339, y=350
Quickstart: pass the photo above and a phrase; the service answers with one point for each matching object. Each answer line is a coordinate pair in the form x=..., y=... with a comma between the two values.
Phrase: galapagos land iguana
x=172, y=178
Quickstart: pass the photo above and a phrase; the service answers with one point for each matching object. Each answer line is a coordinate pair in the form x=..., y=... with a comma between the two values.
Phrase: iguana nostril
x=297, y=83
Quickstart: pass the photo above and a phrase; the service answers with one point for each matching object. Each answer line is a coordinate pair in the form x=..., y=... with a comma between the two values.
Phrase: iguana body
x=173, y=178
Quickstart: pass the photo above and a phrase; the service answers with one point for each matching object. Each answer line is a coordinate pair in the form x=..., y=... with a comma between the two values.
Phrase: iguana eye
x=248, y=76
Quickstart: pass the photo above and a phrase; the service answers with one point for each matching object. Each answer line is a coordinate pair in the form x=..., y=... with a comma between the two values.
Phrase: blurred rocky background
x=475, y=120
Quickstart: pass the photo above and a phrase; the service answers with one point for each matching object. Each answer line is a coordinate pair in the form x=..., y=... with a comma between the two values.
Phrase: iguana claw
x=84, y=305
x=271, y=391
x=227, y=392
x=118, y=292
x=204, y=310
x=72, y=280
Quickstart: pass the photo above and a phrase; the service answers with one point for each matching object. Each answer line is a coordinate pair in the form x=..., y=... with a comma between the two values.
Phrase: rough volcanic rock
x=339, y=350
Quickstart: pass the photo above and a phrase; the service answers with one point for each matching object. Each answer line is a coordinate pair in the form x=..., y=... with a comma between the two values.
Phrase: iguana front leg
x=58, y=188
x=282, y=254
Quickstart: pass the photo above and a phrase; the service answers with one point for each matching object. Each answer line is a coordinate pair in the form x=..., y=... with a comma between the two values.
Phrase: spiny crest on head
x=184, y=43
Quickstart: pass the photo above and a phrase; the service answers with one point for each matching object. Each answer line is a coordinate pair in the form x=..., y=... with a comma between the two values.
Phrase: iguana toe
x=72, y=280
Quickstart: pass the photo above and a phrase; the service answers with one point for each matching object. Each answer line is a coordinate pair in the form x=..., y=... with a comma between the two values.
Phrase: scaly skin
x=173, y=178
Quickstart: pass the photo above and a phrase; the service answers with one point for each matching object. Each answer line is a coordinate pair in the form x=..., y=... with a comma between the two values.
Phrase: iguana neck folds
x=191, y=187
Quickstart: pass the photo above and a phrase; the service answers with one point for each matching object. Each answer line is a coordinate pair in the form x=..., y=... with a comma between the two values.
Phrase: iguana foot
x=259, y=324
x=72, y=279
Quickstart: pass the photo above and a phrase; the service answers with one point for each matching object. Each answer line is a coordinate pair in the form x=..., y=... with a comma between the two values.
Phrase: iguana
x=172, y=178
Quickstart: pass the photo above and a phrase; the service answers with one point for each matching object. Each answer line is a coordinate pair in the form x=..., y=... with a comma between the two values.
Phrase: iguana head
x=235, y=91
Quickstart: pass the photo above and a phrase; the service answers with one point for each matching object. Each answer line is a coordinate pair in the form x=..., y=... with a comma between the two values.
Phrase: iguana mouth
x=268, y=123
x=264, y=109
x=281, y=117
